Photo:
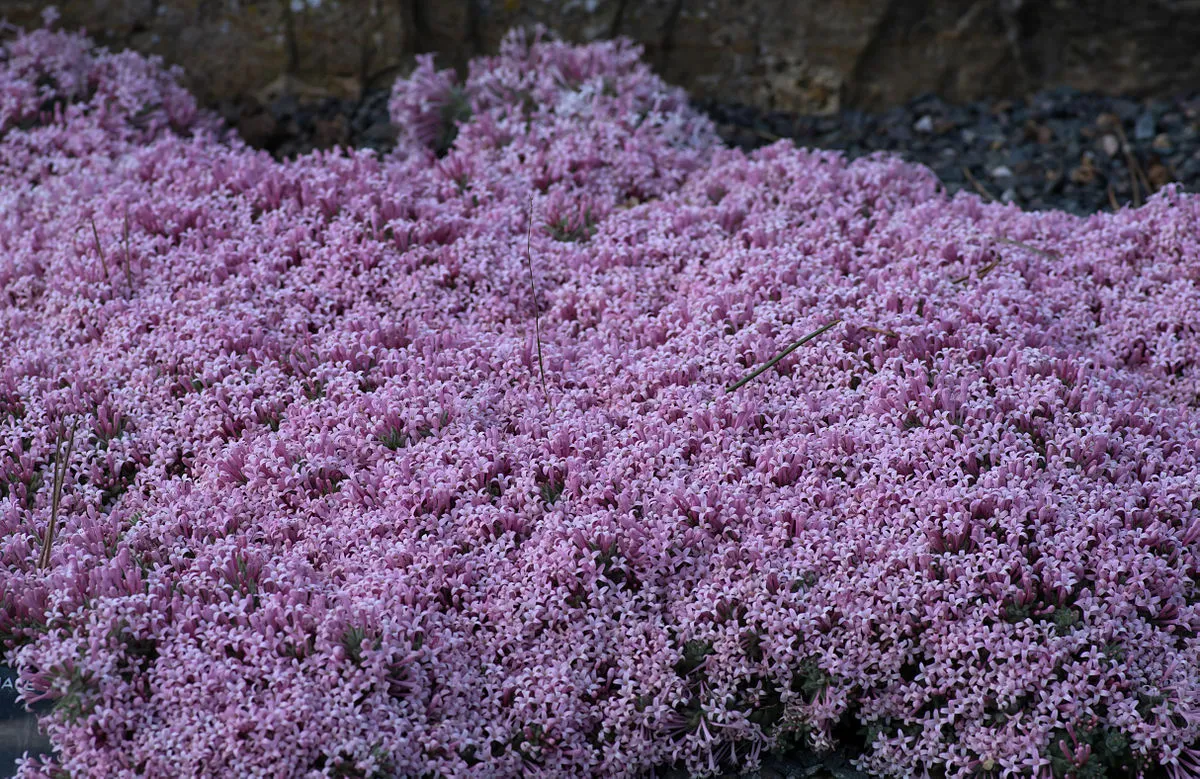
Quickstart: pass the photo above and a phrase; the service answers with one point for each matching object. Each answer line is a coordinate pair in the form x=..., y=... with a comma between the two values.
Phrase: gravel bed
x=1059, y=149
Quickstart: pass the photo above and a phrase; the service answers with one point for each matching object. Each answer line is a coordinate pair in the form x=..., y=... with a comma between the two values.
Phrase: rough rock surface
x=803, y=56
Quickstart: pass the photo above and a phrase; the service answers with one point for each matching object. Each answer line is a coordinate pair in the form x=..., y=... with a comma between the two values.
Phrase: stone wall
x=807, y=56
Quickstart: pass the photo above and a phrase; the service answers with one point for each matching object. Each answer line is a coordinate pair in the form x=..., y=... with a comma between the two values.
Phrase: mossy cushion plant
x=317, y=512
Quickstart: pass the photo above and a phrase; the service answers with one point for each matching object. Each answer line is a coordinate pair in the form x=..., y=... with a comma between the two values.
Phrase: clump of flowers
x=318, y=519
x=428, y=106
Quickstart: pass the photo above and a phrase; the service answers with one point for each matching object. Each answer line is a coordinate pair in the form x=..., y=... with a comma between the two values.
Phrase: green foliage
x=791, y=732
x=355, y=640
x=394, y=438
x=36, y=481
x=467, y=753
x=528, y=743
x=1015, y=613
x=1110, y=755
x=812, y=679
x=457, y=109
x=77, y=701
x=1065, y=620
x=694, y=653
x=314, y=389
x=806, y=582
x=565, y=230
x=752, y=645
x=344, y=766
x=551, y=491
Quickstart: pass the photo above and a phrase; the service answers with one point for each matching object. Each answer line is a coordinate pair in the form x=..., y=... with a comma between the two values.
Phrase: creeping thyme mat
x=314, y=513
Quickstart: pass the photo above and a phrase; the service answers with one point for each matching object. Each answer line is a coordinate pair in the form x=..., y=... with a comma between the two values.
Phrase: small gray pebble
x=1145, y=128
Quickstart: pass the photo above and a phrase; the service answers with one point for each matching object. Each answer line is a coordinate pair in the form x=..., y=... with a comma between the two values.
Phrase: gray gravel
x=1058, y=149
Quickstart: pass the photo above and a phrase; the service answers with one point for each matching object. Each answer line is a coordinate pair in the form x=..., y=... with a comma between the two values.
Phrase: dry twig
x=128, y=256
x=783, y=354
x=61, y=461
x=978, y=187
x=536, y=326
x=1135, y=170
x=99, y=248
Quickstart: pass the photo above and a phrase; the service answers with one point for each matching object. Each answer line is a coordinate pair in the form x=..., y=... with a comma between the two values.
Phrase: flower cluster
x=319, y=519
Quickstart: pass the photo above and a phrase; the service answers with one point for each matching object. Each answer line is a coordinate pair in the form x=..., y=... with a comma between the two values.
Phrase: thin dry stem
x=99, y=248
x=128, y=256
x=537, y=333
x=985, y=270
x=61, y=461
x=766, y=366
x=1135, y=170
x=766, y=135
x=991, y=266
x=978, y=187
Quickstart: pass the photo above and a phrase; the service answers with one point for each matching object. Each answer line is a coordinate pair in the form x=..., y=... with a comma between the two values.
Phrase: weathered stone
x=344, y=47
x=776, y=54
x=810, y=56
x=581, y=20
x=230, y=49
x=226, y=48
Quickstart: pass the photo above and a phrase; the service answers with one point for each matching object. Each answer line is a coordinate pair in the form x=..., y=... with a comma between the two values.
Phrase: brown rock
x=233, y=48
x=256, y=126
x=792, y=55
x=344, y=46
x=331, y=132
x=583, y=20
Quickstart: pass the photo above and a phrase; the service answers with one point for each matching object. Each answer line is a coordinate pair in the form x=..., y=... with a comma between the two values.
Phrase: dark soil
x=288, y=127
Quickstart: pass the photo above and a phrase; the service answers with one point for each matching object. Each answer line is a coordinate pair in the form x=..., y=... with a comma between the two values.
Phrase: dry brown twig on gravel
x=978, y=187
x=1136, y=175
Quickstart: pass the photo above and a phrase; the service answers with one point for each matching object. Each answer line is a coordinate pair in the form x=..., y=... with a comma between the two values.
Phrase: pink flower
x=320, y=519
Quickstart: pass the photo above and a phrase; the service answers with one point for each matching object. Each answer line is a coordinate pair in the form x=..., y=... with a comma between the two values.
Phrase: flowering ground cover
x=309, y=469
